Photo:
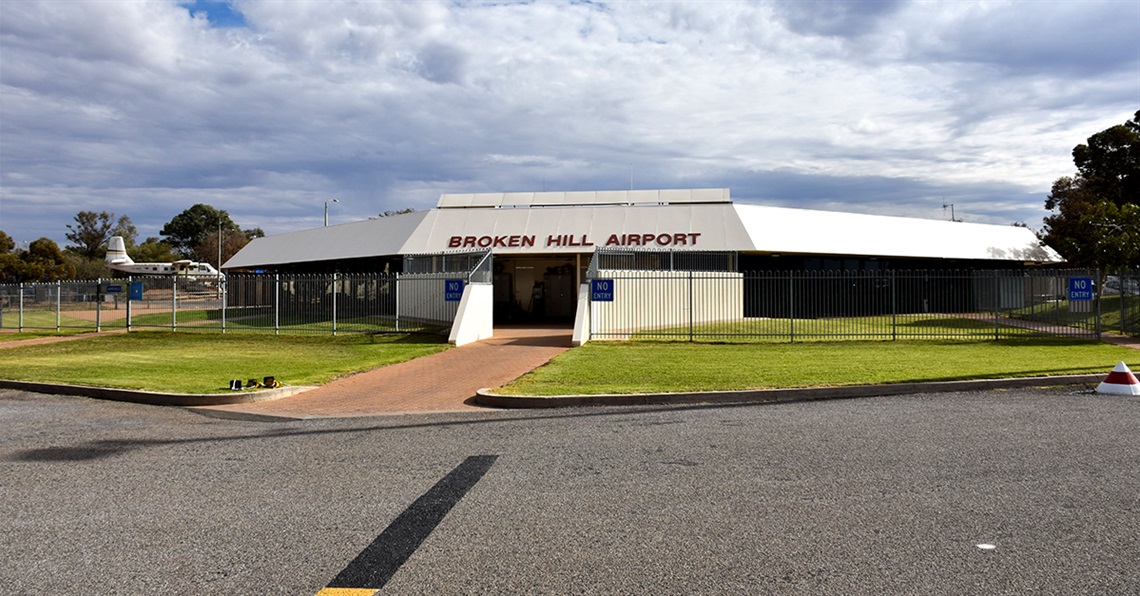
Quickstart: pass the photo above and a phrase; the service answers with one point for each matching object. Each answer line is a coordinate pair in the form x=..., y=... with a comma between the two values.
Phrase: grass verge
x=204, y=363
x=663, y=367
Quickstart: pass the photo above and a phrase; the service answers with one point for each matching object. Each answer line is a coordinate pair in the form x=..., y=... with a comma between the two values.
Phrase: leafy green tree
x=86, y=268
x=231, y=242
x=14, y=270
x=1094, y=213
x=153, y=250
x=126, y=228
x=92, y=230
x=7, y=245
x=188, y=229
x=43, y=261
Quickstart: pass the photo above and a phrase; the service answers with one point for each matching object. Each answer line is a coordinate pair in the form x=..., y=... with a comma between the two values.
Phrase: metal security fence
x=332, y=303
x=870, y=305
x=1120, y=303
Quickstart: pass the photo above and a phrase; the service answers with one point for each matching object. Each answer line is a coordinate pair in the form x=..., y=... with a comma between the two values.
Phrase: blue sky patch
x=219, y=14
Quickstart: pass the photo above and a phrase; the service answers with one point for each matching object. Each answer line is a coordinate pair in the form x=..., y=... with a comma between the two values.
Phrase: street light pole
x=327, y=210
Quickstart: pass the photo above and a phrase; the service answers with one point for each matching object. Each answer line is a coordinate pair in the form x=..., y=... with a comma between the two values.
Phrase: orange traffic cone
x=1120, y=381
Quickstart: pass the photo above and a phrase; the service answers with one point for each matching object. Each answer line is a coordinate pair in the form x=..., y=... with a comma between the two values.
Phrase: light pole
x=327, y=210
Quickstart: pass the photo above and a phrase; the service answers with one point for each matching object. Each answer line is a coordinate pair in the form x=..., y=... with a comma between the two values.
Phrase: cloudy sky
x=269, y=109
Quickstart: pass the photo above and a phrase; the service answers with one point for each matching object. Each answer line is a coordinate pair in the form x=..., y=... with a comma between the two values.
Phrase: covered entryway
x=536, y=289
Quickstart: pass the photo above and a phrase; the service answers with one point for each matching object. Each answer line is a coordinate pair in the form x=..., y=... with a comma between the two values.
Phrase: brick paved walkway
x=443, y=382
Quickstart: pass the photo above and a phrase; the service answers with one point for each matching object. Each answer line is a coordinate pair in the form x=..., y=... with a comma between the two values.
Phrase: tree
x=188, y=229
x=43, y=261
x=87, y=268
x=7, y=245
x=126, y=228
x=231, y=243
x=153, y=250
x=90, y=232
x=390, y=213
x=14, y=270
x=1094, y=221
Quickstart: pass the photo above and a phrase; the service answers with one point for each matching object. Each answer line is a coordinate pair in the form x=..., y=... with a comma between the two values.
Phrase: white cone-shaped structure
x=1120, y=381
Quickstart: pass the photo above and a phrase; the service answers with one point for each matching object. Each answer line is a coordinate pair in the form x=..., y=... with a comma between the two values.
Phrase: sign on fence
x=136, y=291
x=1080, y=288
x=602, y=290
x=114, y=289
x=453, y=290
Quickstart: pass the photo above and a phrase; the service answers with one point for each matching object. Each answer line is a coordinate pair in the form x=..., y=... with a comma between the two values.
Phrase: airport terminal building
x=544, y=241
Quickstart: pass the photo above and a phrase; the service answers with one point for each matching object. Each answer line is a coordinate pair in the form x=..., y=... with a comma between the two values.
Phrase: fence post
x=997, y=306
x=894, y=307
x=334, y=280
x=396, y=286
x=1123, y=298
x=174, y=303
x=58, y=305
x=1099, y=290
x=276, y=303
x=129, y=301
x=98, y=304
x=792, y=306
x=690, y=298
x=21, y=322
x=222, y=284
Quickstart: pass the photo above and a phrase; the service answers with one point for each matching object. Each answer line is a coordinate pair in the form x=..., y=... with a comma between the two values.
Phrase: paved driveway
x=868, y=496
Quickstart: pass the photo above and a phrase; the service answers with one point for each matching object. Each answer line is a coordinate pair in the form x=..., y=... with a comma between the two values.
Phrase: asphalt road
x=879, y=495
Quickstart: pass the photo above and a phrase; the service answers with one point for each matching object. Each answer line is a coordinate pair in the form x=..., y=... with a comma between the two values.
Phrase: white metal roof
x=688, y=225
x=600, y=197
x=803, y=231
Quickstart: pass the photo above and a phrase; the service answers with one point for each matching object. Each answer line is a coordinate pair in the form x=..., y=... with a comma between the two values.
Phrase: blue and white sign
x=114, y=289
x=602, y=290
x=1080, y=288
x=453, y=290
x=136, y=290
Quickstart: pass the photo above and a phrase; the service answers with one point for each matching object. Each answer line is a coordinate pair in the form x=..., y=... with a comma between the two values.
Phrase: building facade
x=542, y=242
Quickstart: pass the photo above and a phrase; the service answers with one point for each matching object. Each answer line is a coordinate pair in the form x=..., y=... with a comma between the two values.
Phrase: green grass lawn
x=6, y=336
x=205, y=363
x=885, y=327
x=46, y=319
x=659, y=367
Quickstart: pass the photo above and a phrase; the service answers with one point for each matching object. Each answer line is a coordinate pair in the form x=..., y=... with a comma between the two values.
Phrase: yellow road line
x=347, y=592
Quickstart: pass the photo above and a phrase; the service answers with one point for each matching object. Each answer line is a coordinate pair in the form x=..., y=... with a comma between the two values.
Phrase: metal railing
x=468, y=260
x=614, y=258
x=872, y=305
x=275, y=303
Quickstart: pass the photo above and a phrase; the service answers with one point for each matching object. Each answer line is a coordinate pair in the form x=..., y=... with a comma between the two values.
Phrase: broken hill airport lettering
x=572, y=240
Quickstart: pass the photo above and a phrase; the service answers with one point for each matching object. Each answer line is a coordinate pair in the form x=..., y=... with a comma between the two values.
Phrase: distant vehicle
x=1114, y=286
x=118, y=259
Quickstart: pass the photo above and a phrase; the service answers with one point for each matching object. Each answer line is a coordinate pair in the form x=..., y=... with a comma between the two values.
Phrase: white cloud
x=889, y=107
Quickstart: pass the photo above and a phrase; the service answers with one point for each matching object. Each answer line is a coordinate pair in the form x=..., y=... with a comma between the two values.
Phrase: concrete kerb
x=156, y=398
x=485, y=397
